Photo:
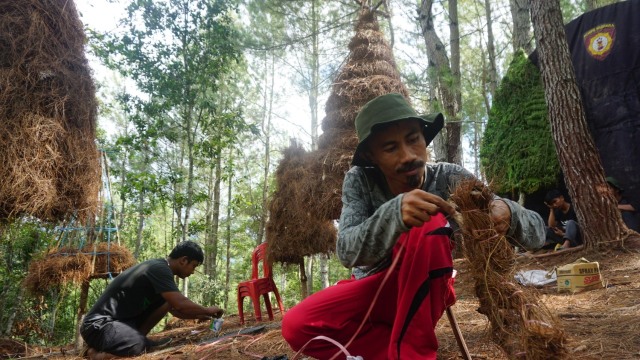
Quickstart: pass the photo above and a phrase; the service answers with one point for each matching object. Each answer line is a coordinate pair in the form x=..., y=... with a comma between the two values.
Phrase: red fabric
x=337, y=311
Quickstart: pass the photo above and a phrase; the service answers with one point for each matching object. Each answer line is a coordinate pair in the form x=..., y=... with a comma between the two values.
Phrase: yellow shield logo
x=599, y=40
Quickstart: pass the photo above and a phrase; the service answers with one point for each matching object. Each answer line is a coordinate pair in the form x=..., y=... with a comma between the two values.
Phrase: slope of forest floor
x=603, y=323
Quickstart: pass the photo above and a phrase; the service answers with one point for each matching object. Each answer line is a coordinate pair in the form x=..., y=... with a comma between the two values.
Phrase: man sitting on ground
x=563, y=231
x=393, y=207
x=136, y=300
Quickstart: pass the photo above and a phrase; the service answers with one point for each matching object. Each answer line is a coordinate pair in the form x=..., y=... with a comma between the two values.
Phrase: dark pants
x=571, y=233
x=114, y=337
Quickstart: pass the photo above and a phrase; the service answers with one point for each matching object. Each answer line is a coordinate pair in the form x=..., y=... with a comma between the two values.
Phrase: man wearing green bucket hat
x=394, y=234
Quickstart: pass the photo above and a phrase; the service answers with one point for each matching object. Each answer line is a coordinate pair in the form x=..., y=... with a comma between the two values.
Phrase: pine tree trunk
x=304, y=291
x=136, y=252
x=315, y=76
x=491, y=48
x=324, y=270
x=123, y=199
x=82, y=310
x=596, y=208
x=227, y=275
x=212, y=241
x=12, y=314
x=521, y=25
x=266, y=129
x=309, y=273
x=447, y=77
x=208, y=215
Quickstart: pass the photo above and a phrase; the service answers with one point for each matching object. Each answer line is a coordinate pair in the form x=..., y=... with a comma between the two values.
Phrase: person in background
x=136, y=300
x=394, y=209
x=628, y=211
x=563, y=230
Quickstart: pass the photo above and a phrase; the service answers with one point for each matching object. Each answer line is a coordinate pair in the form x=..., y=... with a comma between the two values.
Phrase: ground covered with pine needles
x=603, y=323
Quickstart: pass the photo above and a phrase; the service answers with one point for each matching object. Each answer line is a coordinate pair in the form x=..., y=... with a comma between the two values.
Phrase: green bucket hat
x=611, y=180
x=388, y=108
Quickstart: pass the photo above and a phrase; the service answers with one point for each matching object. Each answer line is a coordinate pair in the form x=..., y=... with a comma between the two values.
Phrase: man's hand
x=418, y=206
x=215, y=311
x=500, y=216
x=558, y=231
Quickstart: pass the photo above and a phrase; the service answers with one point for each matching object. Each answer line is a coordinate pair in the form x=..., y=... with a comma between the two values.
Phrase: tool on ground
x=458, y=335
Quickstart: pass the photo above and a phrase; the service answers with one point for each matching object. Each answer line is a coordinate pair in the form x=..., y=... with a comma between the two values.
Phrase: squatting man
x=393, y=205
x=136, y=300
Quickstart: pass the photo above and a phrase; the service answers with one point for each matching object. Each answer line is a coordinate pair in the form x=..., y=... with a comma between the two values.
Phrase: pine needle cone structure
x=370, y=71
x=304, y=205
x=49, y=164
x=520, y=323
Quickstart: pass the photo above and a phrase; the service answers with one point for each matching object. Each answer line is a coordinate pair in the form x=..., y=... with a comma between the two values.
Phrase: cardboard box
x=579, y=276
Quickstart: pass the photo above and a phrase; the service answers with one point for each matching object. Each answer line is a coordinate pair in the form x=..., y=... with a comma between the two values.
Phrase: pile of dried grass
x=520, y=324
x=64, y=266
x=109, y=257
x=48, y=158
x=294, y=230
x=309, y=190
x=73, y=266
x=10, y=348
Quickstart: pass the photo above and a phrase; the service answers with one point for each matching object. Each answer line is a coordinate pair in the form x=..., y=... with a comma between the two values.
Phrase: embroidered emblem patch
x=599, y=40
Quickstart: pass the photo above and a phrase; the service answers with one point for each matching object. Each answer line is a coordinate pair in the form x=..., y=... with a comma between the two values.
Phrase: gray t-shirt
x=135, y=293
x=371, y=218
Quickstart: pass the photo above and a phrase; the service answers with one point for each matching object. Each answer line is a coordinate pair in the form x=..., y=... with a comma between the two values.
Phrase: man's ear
x=184, y=260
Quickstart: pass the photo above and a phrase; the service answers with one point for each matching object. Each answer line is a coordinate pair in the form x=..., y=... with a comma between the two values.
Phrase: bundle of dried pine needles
x=69, y=265
x=520, y=324
x=49, y=163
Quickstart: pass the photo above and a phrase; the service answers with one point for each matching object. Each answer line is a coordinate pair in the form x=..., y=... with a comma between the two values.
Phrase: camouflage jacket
x=371, y=221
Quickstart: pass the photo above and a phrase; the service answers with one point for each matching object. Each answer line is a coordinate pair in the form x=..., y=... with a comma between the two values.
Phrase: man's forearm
x=626, y=207
x=369, y=241
x=182, y=315
x=184, y=308
x=193, y=311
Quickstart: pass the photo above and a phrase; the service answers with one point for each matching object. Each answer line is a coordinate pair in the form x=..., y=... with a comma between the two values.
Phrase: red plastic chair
x=258, y=286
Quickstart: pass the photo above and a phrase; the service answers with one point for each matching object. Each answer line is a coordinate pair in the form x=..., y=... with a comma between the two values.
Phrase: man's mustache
x=410, y=166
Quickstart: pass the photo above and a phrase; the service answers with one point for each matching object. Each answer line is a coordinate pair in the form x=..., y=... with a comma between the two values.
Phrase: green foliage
x=517, y=152
x=20, y=241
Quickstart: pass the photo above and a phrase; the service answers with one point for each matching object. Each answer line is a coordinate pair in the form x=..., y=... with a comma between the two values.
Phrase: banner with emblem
x=605, y=51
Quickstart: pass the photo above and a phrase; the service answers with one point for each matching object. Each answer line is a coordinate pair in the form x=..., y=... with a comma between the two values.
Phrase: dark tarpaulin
x=605, y=51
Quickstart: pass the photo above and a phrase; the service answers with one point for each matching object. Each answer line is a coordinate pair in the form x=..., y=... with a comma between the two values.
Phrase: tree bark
x=521, y=25
x=309, y=274
x=447, y=79
x=596, y=208
x=324, y=270
x=304, y=291
x=313, y=105
x=591, y=4
x=12, y=314
x=227, y=276
x=212, y=241
x=315, y=76
x=491, y=48
x=266, y=129
x=136, y=252
x=208, y=216
x=82, y=310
